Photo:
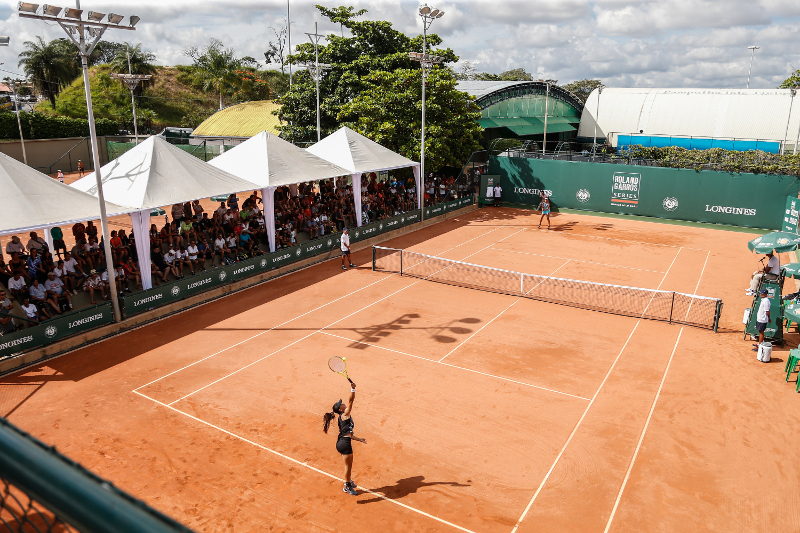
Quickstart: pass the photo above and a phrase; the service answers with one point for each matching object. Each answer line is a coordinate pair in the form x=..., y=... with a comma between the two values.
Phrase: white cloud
x=667, y=43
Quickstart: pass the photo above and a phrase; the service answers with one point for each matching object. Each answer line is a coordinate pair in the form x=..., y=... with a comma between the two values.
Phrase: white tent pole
x=357, y=196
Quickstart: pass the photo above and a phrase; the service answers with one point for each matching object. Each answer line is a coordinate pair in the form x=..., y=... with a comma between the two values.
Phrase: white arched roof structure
x=747, y=114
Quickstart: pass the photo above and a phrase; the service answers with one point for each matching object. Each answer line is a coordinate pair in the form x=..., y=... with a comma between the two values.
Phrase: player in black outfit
x=343, y=444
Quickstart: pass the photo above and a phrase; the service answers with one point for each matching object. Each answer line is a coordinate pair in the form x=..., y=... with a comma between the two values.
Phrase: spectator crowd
x=44, y=282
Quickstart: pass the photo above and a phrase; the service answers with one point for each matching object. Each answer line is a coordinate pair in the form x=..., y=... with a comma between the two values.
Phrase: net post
x=401, y=263
x=373, y=258
x=717, y=314
x=672, y=307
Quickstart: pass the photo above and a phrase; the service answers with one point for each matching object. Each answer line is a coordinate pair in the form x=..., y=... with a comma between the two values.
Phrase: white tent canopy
x=358, y=154
x=154, y=174
x=271, y=162
x=33, y=200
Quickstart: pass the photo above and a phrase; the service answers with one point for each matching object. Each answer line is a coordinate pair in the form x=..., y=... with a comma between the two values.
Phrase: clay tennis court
x=482, y=411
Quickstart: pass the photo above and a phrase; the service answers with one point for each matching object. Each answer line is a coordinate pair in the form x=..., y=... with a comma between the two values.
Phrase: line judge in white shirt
x=345, y=245
x=498, y=193
x=772, y=270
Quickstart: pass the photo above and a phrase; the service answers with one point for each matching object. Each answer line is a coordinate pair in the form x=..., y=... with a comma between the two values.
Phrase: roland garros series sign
x=625, y=189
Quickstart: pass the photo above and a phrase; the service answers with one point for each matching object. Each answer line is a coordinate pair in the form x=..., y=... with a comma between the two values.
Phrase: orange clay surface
x=482, y=412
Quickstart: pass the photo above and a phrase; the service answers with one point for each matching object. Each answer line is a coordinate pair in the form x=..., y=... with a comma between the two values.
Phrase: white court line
x=262, y=333
x=574, y=430
x=454, y=366
x=697, y=287
x=580, y=261
x=641, y=437
x=310, y=334
x=301, y=463
x=518, y=298
x=610, y=238
x=293, y=319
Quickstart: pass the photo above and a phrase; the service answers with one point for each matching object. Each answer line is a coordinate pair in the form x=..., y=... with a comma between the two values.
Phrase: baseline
x=301, y=463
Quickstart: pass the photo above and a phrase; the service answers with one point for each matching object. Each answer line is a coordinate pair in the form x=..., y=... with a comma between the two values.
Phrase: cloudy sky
x=625, y=43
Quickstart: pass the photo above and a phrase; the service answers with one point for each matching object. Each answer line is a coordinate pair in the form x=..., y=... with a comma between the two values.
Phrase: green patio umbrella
x=157, y=212
x=778, y=241
x=792, y=270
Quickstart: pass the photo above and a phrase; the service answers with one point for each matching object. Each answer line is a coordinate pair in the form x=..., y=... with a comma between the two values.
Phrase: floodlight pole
x=132, y=81
x=596, y=119
x=752, y=55
x=289, y=39
x=793, y=92
x=315, y=37
x=94, y=30
x=546, y=102
x=428, y=16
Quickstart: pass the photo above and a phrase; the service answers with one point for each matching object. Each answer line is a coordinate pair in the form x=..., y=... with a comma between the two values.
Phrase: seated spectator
x=16, y=246
x=79, y=253
x=158, y=267
x=233, y=202
x=187, y=211
x=155, y=235
x=132, y=272
x=171, y=260
x=232, y=242
x=192, y=253
x=34, y=266
x=247, y=245
x=18, y=287
x=220, y=212
x=57, y=291
x=94, y=283
x=33, y=313
x=182, y=260
x=5, y=271
x=118, y=251
x=47, y=262
x=39, y=297
x=74, y=272
x=58, y=241
x=6, y=306
x=177, y=238
x=91, y=253
x=37, y=243
x=206, y=228
x=120, y=280
x=187, y=231
x=204, y=251
x=165, y=235
x=221, y=249
x=17, y=264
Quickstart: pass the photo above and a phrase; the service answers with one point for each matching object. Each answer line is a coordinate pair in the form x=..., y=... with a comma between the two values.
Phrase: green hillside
x=169, y=99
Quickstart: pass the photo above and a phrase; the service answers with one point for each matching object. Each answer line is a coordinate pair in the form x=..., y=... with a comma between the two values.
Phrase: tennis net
x=667, y=306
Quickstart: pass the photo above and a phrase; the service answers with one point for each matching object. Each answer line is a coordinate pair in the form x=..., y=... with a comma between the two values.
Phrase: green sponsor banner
x=790, y=215
x=446, y=207
x=56, y=329
x=750, y=200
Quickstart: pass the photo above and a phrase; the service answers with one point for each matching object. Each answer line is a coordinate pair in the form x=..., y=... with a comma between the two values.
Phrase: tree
x=49, y=65
x=252, y=86
x=583, y=88
x=466, y=72
x=388, y=111
x=216, y=66
x=276, y=51
x=342, y=15
x=141, y=61
x=791, y=82
x=104, y=52
x=373, y=46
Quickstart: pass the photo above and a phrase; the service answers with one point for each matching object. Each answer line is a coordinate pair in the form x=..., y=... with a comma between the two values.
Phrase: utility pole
x=316, y=69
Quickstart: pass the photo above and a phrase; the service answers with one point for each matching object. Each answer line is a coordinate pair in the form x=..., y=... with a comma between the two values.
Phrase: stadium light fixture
x=5, y=41
x=426, y=61
x=53, y=11
x=113, y=18
x=316, y=69
x=27, y=7
x=752, y=55
x=85, y=34
x=131, y=81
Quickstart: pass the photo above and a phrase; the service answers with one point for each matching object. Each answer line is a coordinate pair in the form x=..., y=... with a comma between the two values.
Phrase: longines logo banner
x=625, y=189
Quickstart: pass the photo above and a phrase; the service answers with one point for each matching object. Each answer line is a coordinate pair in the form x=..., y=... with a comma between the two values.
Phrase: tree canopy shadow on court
x=407, y=486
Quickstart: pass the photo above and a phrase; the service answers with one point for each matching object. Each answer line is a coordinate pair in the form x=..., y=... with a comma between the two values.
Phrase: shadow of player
x=406, y=486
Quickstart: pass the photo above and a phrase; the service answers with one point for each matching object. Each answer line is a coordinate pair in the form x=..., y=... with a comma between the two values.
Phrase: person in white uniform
x=762, y=316
x=345, y=244
x=772, y=270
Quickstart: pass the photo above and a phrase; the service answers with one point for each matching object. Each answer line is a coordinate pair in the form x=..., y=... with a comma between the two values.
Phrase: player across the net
x=668, y=306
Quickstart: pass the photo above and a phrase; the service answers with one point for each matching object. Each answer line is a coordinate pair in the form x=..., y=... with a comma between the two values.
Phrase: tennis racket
x=338, y=365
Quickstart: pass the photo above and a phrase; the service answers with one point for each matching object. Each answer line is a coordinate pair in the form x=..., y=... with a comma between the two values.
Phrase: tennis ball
x=344, y=358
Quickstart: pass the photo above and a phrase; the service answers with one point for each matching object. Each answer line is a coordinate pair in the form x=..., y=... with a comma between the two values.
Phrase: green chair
x=791, y=364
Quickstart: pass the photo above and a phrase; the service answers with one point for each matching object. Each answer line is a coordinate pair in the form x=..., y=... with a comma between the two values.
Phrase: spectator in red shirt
x=79, y=231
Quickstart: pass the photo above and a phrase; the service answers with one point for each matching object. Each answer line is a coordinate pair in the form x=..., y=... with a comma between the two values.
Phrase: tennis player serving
x=343, y=444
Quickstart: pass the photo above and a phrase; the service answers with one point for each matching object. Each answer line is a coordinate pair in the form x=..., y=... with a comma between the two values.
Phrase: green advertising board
x=56, y=329
x=790, y=215
x=750, y=200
